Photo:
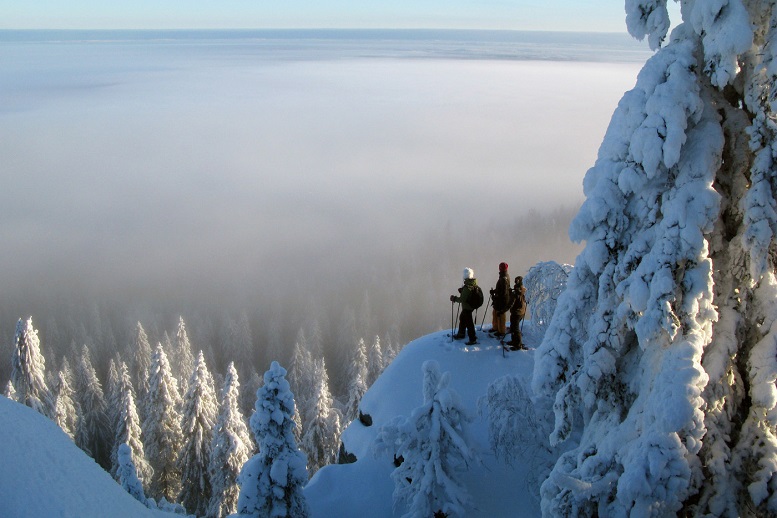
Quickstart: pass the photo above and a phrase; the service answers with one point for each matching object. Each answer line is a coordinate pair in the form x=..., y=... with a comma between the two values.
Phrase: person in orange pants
x=500, y=299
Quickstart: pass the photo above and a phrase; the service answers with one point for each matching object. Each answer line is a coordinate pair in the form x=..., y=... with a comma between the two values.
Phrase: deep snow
x=365, y=487
x=45, y=474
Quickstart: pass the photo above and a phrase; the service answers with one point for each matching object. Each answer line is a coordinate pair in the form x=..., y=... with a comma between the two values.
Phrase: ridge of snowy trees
x=180, y=448
x=661, y=358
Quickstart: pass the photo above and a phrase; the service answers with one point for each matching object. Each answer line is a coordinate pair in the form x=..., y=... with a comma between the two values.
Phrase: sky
x=547, y=15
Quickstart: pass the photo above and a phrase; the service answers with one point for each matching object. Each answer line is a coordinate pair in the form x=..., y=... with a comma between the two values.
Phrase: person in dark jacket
x=517, y=314
x=466, y=323
x=500, y=300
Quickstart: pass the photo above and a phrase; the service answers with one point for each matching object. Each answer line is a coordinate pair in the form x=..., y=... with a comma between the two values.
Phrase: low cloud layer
x=187, y=170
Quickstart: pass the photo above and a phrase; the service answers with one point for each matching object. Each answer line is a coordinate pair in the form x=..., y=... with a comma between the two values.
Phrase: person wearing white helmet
x=467, y=298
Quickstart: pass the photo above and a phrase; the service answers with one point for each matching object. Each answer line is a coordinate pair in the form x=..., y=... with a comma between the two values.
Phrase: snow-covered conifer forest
x=650, y=385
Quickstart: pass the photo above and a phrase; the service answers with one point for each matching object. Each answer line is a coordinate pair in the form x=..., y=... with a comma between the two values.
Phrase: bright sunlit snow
x=365, y=487
x=44, y=474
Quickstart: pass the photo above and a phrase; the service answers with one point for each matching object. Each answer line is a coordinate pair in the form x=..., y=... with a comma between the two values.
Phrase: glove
x=491, y=291
x=453, y=298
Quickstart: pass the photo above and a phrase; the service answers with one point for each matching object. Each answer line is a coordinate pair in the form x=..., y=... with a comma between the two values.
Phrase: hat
x=468, y=273
x=518, y=280
x=502, y=267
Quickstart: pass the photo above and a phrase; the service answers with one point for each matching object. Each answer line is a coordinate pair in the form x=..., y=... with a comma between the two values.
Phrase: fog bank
x=192, y=175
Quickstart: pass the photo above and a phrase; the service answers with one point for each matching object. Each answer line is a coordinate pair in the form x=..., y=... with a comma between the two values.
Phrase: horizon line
x=217, y=29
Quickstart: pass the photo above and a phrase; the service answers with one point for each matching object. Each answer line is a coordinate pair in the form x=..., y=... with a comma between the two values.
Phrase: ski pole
x=452, y=321
x=485, y=312
x=458, y=308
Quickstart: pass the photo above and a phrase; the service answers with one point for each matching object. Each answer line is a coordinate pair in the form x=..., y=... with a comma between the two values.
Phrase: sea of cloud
x=181, y=166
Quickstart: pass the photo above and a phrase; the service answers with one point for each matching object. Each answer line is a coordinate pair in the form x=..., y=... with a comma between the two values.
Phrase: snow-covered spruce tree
x=93, y=432
x=28, y=370
x=10, y=391
x=301, y=372
x=301, y=382
x=162, y=428
x=231, y=448
x=515, y=428
x=182, y=359
x=271, y=482
x=127, y=430
x=112, y=399
x=199, y=416
x=374, y=360
x=544, y=283
x=66, y=409
x=662, y=354
x=435, y=447
x=513, y=425
x=127, y=475
x=141, y=362
x=248, y=391
x=390, y=351
x=357, y=382
x=322, y=434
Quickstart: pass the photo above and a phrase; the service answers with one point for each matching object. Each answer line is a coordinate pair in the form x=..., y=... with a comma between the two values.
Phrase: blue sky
x=555, y=15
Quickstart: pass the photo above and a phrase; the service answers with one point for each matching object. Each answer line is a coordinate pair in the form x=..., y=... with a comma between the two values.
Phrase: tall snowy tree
x=93, y=432
x=271, y=482
x=28, y=369
x=66, y=409
x=661, y=357
x=390, y=351
x=357, y=382
x=128, y=431
x=141, y=362
x=301, y=373
x=199, y=417
x=182, y=359
x=301, y=382
x=162, y=428
x=10, y=391
x=232, y=446
x=321, y=440
x=435, y=447
x=248, y=392
x=127, y=474
x=544, y=283
x=374, y=360
x=112, y=400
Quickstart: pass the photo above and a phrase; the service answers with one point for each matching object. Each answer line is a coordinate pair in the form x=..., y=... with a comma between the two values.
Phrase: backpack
x=475, y=298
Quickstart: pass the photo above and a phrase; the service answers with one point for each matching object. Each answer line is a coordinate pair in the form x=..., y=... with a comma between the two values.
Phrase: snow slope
x=44, y=474
x=365, y=488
